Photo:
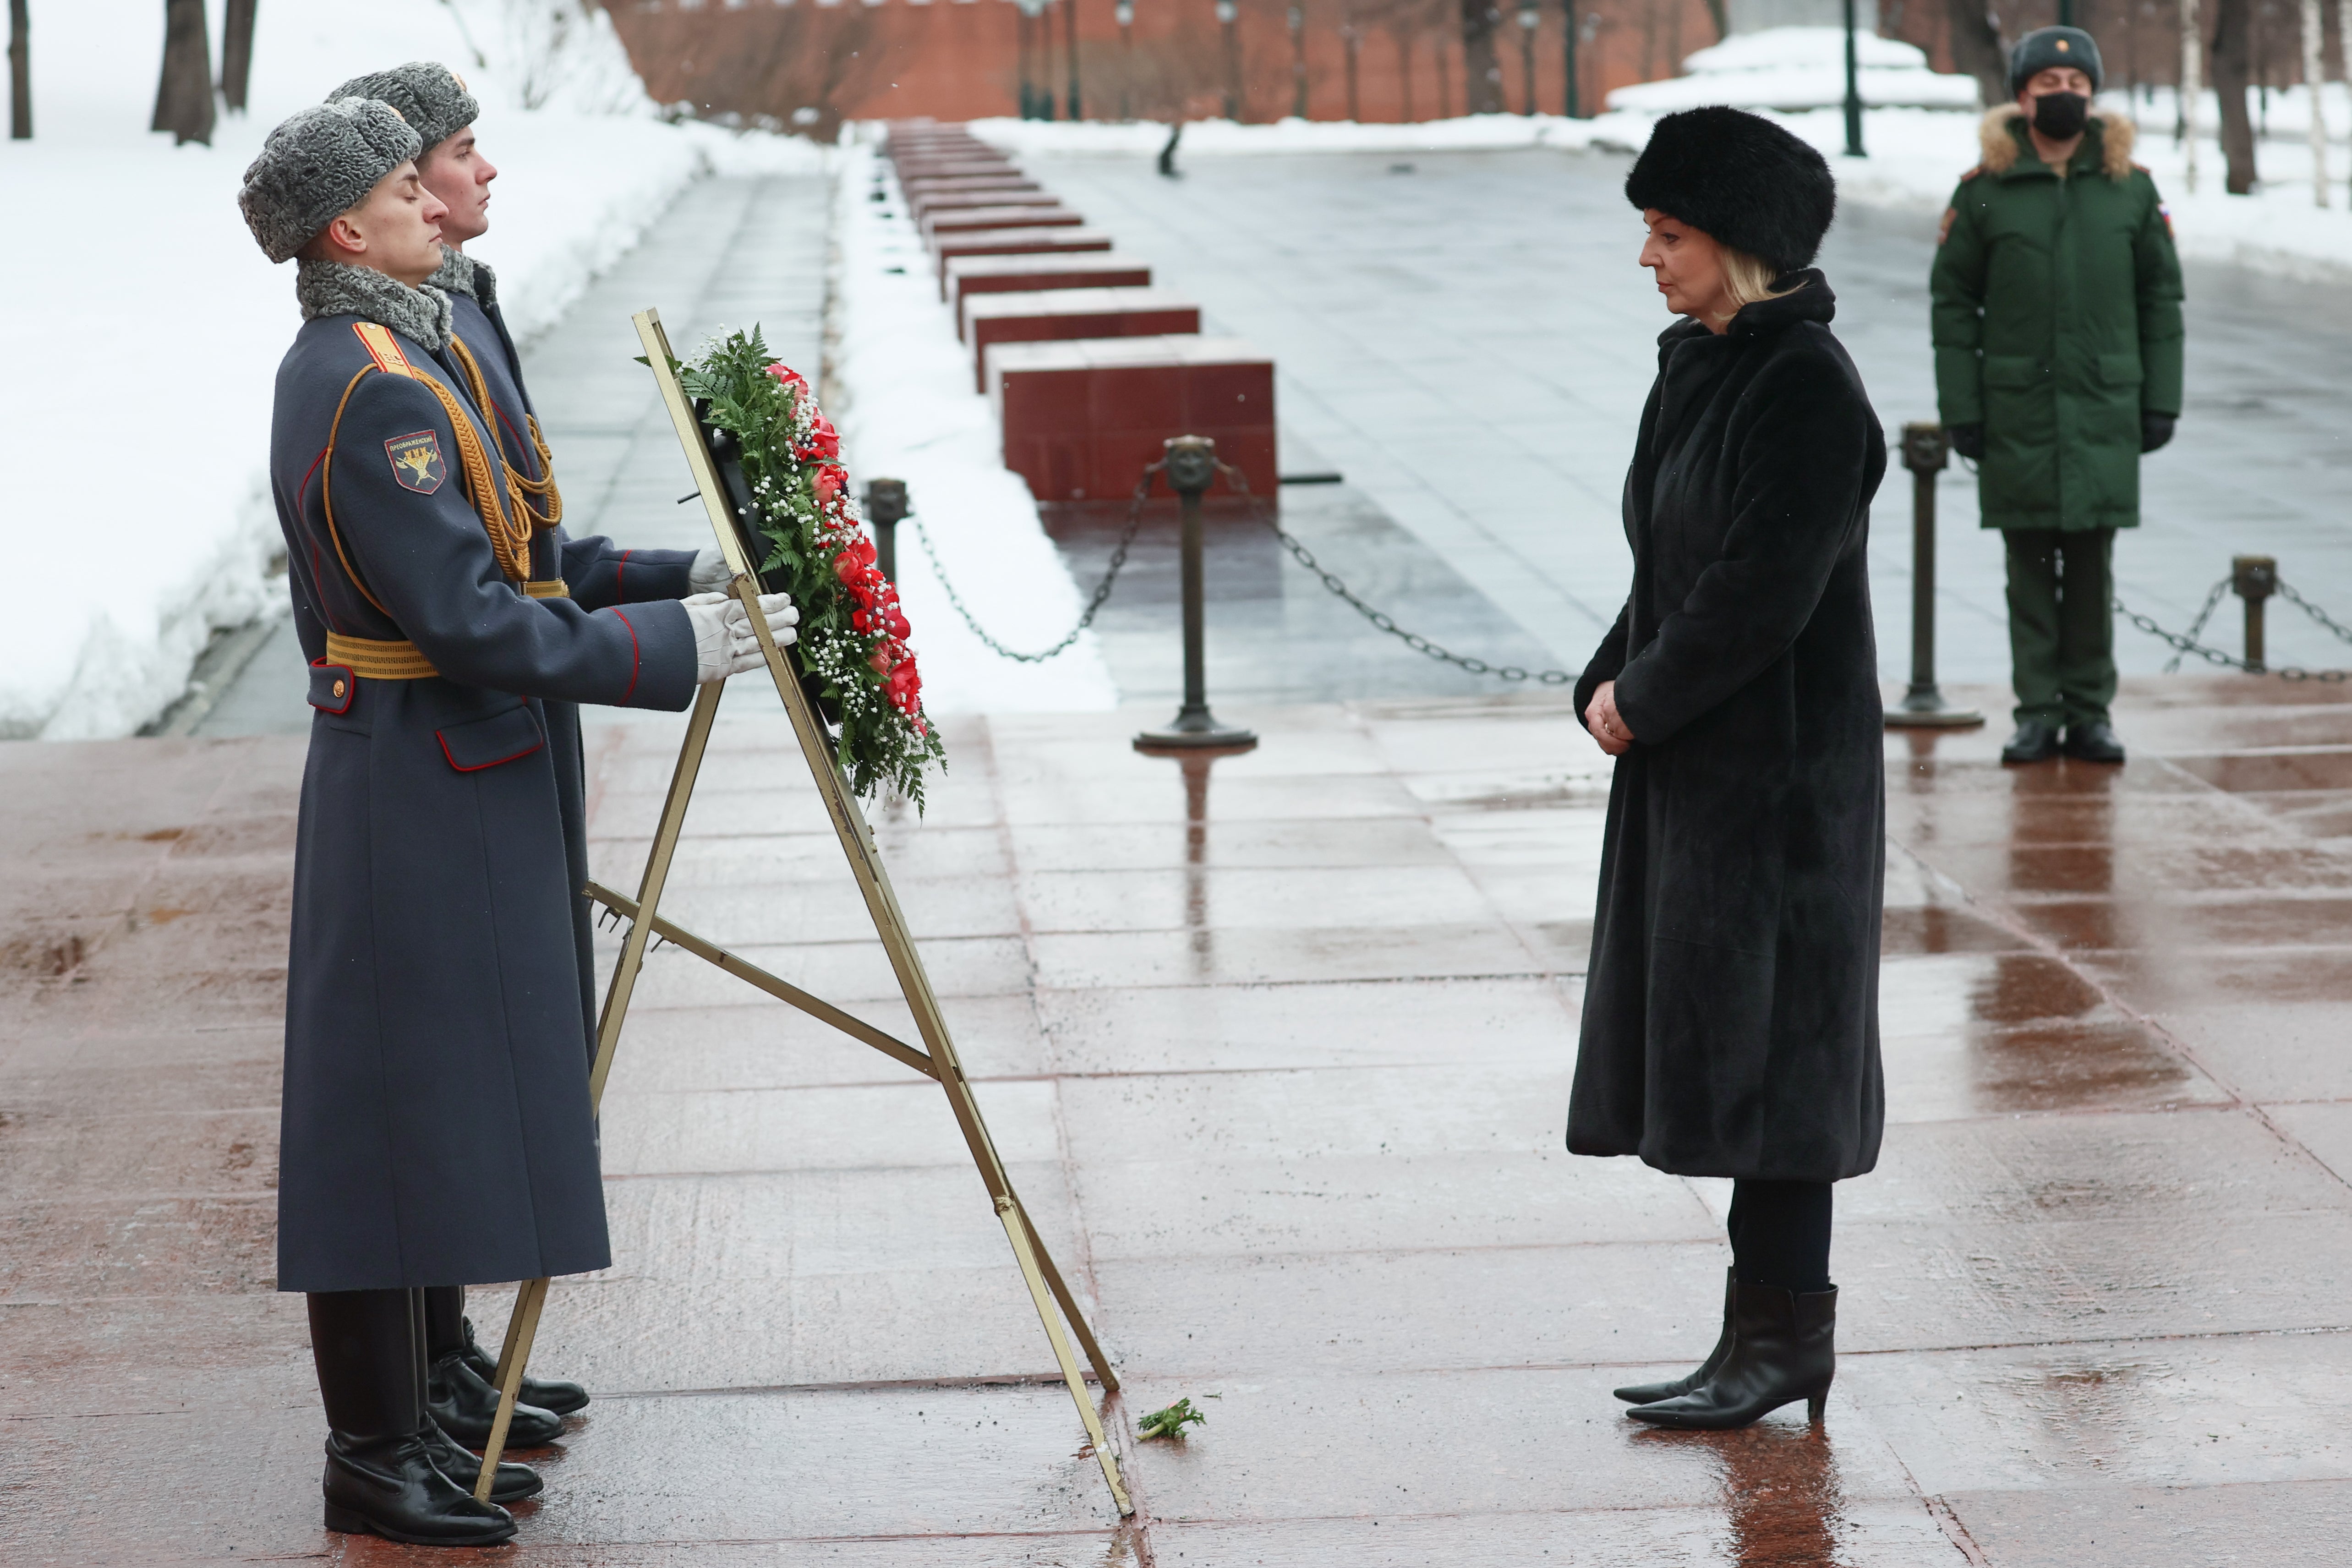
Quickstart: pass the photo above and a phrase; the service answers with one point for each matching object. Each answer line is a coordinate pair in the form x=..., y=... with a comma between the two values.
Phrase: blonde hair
x=1747, y=278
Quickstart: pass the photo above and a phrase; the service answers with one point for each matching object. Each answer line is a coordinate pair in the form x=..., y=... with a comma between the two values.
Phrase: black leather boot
x=1784, y=1348
x=512, y=1484
x=448, y=1327
x=381, y=1478
x=465, y=1405
x=1651, y=1393
x=2094, y=742
x=2036, y=740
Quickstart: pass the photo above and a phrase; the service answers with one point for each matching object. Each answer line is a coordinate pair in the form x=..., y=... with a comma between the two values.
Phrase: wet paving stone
x=1279, y=1054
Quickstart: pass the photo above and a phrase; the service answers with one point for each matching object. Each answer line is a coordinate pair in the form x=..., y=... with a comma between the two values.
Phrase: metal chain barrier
x=1093, y=604
x=2197, y=627
x=2314, y=612
x=2188, y=644
x=1413, y=640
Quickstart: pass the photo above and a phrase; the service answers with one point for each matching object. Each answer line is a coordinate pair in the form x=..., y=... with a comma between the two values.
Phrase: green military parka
x=2057, y=324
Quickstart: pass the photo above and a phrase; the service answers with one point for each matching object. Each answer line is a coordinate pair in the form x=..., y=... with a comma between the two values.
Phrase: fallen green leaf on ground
x=1171, y=1422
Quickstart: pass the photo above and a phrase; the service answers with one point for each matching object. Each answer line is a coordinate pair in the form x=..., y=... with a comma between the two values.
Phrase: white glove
x=724, y=642
x=709, y=574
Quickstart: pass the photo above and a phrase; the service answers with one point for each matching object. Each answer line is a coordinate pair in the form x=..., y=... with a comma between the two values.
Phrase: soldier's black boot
x=512, y=1484
x=1784, y=1349
x=447, y=1329
x=1651, y=1393
x=2094, y=742
x=381, y=1478
x=2036, y=740
x=465, y=1404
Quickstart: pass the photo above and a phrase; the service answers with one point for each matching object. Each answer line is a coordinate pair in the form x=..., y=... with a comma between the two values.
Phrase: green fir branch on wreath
x=853, y=634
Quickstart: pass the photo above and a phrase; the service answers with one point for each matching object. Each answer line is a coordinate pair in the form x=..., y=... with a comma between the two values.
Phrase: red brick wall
x=958, y=59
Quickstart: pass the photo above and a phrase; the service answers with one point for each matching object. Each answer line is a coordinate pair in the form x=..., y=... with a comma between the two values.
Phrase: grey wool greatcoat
x=597, y=571
x=1731, y=1006
x=436, y=1126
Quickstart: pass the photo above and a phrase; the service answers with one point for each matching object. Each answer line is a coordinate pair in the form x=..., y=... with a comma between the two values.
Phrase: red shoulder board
x=1972, y=173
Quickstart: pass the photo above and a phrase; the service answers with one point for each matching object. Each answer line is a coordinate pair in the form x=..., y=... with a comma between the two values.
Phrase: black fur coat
x=1731, y=1009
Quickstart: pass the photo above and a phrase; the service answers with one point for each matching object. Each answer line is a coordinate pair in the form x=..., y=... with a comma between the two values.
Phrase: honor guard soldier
x=439, y=107
x=436, y=1130
x=2058, y=365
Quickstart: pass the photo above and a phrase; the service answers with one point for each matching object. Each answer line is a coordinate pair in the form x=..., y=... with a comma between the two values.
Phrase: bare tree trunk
x=1404, y=66
x=1446, y=79
x=1722, y=20
x=20, y=72
x=2232, y=75
x=1350, y=40
x=1977, y=50
x=1481, y=73
x=184, y=97
x=2192, y=92
x=236, y=52
x=2315, y=76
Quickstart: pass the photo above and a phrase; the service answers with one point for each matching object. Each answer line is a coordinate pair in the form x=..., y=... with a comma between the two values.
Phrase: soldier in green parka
x=2058, y=364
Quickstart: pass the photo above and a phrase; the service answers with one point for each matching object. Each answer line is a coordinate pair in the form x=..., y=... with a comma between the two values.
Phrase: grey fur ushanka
x=435, y=1127
x=319, y=164
x=1731, y=1006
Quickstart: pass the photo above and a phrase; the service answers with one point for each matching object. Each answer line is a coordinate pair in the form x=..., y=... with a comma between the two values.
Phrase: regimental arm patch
x=416, y=462
x=1944, y=231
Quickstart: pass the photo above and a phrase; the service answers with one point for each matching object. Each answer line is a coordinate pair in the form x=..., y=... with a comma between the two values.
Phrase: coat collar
x=332, y=289
x=2008, y=151
x=1809, y=298
x=461, y=274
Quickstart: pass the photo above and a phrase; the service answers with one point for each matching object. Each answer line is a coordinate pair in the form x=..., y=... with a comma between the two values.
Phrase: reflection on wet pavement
x=1277, y=1046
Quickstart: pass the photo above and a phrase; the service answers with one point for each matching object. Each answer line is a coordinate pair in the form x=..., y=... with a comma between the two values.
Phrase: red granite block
x=923, y=185
x=1016, y=242
x=932, y=167
x=971, y=275
x=968, y=220
x=943, y=201
x=1137, y=392
x=1030, y=317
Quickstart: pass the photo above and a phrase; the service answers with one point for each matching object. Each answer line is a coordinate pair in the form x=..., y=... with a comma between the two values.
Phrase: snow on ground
x=146, y=336
x=1792, y=68
x=907, y=408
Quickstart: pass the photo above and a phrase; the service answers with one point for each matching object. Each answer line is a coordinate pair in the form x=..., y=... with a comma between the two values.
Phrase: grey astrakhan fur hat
x=319, y=164
x=1742, y=179
x=430, y=97
x=2046, y=46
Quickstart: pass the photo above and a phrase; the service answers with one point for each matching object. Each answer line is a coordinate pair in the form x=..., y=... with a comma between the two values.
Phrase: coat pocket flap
x=2119, y=369
x=2010, y=371
x=486, y=742
x=333, y=687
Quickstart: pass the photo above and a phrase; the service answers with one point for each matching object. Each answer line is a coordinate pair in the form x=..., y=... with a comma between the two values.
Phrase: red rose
x=897, y=623
x=832, y=482
x=823, y=441
x=790, y=377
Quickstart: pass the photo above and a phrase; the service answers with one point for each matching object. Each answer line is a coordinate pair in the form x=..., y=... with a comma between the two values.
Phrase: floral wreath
x=853, y=651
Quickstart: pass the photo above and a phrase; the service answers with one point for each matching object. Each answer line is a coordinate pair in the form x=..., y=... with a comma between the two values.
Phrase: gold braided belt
x=377, y=659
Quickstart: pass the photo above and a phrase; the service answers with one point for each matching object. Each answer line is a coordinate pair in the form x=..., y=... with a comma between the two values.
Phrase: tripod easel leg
x=1017, y=1232
x=523, y=1326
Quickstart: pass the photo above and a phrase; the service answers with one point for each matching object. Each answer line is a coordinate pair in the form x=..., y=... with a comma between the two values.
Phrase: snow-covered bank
x=147, y=331
x=907, y=408
x=1796, y=68
x=1916, y=157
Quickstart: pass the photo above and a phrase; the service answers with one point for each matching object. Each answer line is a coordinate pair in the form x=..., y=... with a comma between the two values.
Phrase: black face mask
x=2061, y=116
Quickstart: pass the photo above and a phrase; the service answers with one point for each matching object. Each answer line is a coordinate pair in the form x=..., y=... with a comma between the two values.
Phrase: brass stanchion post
x=2253, y=578
x=1192, y=467
x=1927, y=454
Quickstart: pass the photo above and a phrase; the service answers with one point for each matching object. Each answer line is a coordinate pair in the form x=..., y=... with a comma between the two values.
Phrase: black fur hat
x=1745, y=180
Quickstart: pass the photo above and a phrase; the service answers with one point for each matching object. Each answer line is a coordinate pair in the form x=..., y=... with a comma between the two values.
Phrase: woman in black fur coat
x=1731, y=1010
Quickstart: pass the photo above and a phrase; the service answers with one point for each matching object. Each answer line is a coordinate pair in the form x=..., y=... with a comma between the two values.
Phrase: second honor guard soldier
x=2058, y=362
x=436, y=1128
x=441, y=110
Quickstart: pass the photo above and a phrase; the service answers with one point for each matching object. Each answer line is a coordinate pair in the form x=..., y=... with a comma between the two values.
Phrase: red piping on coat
x=478, y=766
x=637, y=657
x=620, y=570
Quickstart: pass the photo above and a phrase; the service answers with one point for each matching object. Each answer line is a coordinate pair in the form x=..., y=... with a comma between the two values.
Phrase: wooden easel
x=937, y=1061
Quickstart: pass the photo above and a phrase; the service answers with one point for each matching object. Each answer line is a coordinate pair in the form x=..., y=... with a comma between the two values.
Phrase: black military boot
x=1784, y=1348
x=512, y=1484
x=465, y=1405
x=2036, y=740
x=2094, y=742
x=1651, y=1393
x=447, y=1329
x=381, y=1478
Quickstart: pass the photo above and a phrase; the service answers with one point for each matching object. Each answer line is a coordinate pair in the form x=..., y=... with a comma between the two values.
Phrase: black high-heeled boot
x=381, y=1478
x=448, y=1327
x=1651, y=1393
x=1784, y=1348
